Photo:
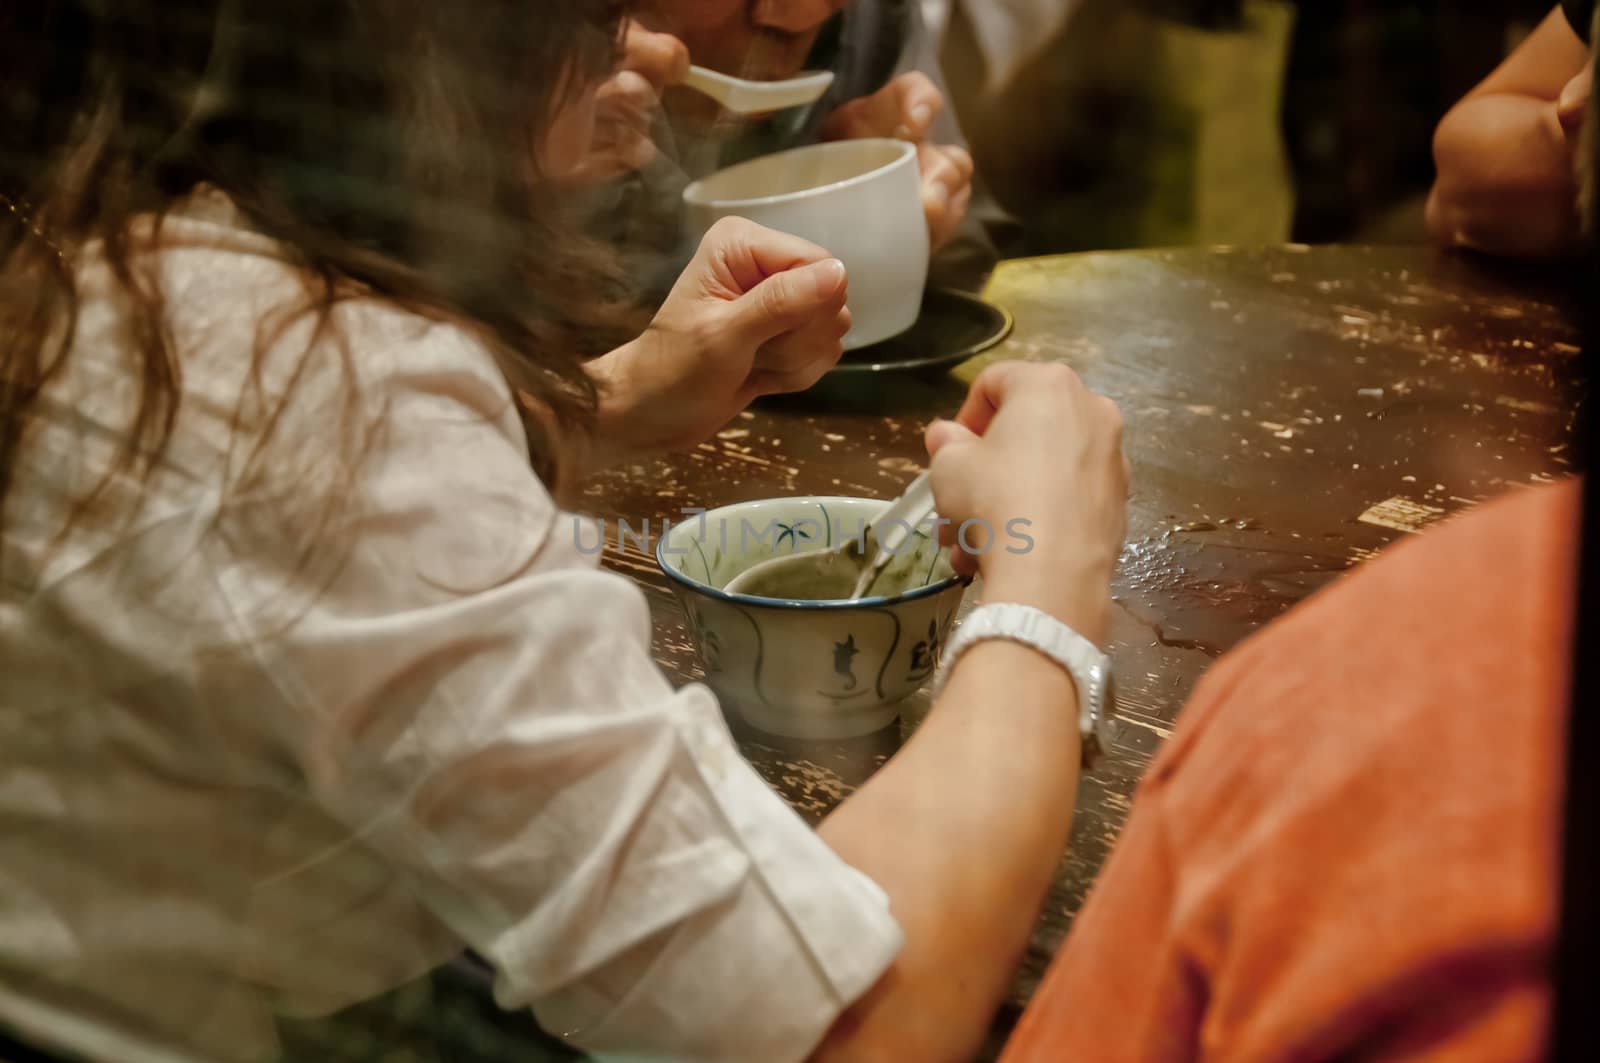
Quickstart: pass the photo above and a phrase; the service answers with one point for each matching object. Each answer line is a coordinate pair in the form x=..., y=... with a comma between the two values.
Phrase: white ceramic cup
x=859, y=199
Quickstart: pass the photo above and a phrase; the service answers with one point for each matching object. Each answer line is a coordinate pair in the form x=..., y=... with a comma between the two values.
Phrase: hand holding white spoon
x=758, y=97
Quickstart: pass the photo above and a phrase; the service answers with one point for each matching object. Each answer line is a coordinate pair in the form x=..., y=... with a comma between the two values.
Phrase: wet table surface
x=1290, y=411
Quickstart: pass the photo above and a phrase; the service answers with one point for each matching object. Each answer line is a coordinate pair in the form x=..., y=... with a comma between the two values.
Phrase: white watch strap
x=1080, y=658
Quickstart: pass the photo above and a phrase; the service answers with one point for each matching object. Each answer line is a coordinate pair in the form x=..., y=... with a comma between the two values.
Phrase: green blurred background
x=1159, y=122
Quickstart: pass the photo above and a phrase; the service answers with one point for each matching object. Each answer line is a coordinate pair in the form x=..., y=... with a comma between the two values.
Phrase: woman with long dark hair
x=305, y=686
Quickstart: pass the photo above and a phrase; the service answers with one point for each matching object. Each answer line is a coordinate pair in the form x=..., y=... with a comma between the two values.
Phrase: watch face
x=1097, y=743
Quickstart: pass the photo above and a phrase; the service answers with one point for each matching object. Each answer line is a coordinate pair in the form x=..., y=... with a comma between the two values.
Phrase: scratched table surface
x=1290, y=411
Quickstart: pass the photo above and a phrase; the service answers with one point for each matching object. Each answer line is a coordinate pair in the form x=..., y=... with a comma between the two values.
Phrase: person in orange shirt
x=1350, y=848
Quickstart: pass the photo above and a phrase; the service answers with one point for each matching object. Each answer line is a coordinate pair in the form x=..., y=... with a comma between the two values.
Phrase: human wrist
x=1078, y=657
x=1049, y=686
x=1077, y=594
x=609, y=444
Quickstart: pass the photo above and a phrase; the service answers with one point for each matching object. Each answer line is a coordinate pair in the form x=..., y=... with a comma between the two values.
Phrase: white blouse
x=244, y=773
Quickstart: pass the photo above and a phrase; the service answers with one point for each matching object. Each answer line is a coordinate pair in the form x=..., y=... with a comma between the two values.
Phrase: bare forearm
x=608, y=444
x=628, y=422
x=1505, y=179
x=1505, y=165
x=963, y=829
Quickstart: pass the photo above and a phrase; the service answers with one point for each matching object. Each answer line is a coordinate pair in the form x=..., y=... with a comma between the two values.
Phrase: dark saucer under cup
x=952, y=327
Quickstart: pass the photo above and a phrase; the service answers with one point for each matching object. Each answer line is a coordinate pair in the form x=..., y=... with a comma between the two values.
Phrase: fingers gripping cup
x=859, y=199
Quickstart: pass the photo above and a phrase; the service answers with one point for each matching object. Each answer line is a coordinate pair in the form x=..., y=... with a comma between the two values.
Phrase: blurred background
x=1129, y=123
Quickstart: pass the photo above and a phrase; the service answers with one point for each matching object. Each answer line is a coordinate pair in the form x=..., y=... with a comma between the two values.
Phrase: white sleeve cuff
x=762, y=975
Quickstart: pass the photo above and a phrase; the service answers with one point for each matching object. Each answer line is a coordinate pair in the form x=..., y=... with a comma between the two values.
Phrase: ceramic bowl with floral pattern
x=809, y=669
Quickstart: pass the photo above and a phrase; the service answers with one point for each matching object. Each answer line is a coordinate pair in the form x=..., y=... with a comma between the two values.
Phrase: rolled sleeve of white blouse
x=477, y=702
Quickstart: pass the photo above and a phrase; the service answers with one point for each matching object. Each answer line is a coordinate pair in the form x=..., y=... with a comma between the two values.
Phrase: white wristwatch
x=1090, y=669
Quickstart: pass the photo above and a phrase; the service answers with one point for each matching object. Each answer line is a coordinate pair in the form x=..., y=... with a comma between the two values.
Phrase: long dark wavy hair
x=390, y=145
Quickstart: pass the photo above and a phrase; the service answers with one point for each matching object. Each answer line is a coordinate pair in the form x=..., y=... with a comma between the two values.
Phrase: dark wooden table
x=1290, y=411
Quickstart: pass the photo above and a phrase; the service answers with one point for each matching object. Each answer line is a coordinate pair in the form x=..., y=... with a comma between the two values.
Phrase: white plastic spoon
x=899, y=522
x=758, y=97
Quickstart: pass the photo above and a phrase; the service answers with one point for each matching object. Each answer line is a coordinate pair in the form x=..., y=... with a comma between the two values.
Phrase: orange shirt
x=1350, y=848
